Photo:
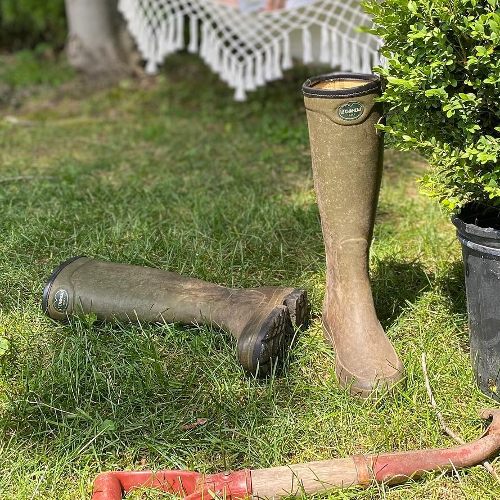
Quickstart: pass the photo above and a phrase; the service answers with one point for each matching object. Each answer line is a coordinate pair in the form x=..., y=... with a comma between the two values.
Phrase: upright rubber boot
x=259, y=318
x=347, y=155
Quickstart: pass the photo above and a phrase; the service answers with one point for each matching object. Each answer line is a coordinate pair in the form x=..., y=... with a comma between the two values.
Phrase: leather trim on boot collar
x=369, y=83
x=52, y=278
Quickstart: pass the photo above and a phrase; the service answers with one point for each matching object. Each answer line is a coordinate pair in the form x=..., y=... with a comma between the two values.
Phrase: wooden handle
x=309, y=478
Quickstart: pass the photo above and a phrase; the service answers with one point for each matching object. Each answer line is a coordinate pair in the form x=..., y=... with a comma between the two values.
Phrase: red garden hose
x=309, y=478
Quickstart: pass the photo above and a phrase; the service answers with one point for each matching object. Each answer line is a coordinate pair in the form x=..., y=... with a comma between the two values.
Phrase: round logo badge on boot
x=61, y=300
x=351, y=110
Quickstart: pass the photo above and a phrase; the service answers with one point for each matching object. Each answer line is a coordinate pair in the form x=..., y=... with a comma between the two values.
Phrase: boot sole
x=298, y=306
x=382, y=386
x=262, y=350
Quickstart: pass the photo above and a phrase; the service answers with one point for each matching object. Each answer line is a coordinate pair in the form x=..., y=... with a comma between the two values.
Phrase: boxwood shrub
x=442, y=92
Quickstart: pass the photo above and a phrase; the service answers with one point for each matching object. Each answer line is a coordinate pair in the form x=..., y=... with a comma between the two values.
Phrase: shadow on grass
x=452, y=284
x=396, y=284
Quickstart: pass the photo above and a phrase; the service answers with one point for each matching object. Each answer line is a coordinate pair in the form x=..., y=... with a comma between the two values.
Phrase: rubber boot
x=261, y=319
x=347, y=156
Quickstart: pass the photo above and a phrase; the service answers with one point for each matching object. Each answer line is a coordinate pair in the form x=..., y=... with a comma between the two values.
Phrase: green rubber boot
x=261, y=319
x=347, y=158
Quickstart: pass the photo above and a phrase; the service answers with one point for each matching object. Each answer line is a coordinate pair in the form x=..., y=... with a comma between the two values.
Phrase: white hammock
x=248, y=46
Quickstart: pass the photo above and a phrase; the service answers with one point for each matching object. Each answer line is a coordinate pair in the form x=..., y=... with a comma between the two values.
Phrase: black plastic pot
x=478, y=229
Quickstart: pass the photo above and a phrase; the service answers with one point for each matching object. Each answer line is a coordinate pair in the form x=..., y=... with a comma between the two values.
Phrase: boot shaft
x=346, y=152
x=260, y=318
x=133, y=293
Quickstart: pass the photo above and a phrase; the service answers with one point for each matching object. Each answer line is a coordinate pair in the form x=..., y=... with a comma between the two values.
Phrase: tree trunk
x=96, y=43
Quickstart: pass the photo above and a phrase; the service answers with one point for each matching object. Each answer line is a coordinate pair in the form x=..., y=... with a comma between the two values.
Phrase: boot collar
x=368, y=83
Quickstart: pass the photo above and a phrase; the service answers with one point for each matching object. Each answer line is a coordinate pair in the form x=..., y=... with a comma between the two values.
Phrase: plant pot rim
x=466, y=227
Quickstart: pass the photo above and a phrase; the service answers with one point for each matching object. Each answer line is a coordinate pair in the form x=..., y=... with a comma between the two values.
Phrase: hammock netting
x=251, y=42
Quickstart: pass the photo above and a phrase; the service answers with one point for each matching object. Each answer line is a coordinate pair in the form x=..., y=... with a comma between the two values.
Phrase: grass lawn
x=171, y=173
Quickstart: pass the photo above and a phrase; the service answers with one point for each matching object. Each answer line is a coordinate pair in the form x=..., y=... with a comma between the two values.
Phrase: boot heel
x=298, y=306
x=264, y=342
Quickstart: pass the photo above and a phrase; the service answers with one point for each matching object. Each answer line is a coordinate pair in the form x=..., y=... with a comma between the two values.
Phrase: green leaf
x=107, y=426
x=4, y=346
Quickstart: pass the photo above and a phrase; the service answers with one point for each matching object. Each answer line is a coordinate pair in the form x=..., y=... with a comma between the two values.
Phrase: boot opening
x=339, y=84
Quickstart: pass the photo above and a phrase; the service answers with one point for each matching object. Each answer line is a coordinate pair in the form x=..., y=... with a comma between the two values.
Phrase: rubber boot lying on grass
x=347, y=152
x=261, y=319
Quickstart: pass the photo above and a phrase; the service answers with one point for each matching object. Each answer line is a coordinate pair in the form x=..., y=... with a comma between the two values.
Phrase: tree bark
x=97, y=41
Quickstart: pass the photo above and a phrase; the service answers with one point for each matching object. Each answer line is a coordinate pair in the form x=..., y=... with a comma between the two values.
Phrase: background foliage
x=27, y=23
x=443, y=74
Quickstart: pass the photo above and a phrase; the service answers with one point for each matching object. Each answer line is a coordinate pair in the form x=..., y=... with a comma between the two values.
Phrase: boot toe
x=370, y=379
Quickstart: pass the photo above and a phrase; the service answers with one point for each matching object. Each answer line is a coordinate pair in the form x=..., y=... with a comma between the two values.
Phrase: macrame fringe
x=252, y=67
x=287, y=53
x=193, y=34
x=306, y=46
x=324, y=54
x=259, y=70
x=366, y=60
x=345, y=54
x=250, y=74
x=277, y=72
